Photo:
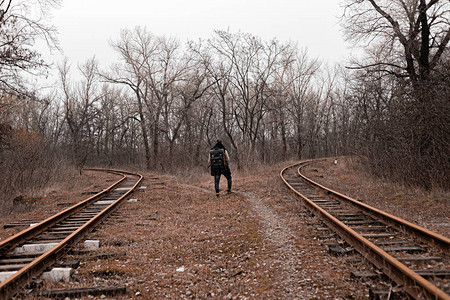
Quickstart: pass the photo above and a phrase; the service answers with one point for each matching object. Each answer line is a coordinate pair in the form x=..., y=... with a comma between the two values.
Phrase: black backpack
x=217, y=158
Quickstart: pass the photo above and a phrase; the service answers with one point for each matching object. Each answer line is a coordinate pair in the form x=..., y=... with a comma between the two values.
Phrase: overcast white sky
x=87, y=26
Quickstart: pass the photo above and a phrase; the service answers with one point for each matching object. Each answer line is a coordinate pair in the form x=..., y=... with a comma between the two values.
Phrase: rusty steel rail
x=12, y=284
x=414, y=284
x=396, y=222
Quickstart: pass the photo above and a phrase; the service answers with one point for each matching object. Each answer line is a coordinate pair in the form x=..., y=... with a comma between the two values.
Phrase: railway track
x=27, y=254
x=416, y=259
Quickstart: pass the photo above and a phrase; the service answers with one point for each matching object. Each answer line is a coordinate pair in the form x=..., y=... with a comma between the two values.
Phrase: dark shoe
x=217, y=195
x=229, y=191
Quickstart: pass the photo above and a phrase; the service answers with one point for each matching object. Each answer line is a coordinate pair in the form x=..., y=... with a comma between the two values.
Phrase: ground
x=180, y=241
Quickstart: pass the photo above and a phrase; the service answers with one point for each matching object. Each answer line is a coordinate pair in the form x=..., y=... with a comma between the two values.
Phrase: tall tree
x=412, y=34
x=137, y=49
x=22, y=23
x=79, y=100
x=165, y=70
x=252, y=64
x=300, y=76
x=409, y=42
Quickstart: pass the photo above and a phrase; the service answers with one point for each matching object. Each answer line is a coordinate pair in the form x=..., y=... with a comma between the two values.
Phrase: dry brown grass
x=66, y=179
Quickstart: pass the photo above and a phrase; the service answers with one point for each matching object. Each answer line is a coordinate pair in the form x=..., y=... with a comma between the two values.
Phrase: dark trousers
x=217, y=180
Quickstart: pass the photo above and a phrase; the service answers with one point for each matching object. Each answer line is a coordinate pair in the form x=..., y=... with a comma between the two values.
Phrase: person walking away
x=219, y=162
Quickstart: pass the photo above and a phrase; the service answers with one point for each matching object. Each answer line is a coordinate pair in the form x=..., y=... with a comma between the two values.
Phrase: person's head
x=219, y=144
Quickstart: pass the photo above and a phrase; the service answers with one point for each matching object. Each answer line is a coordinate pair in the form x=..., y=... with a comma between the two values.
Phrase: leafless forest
x=164, y=103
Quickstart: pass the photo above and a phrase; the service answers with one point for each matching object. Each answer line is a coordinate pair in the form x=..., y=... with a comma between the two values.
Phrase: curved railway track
x=28, y=253
x=415, y=258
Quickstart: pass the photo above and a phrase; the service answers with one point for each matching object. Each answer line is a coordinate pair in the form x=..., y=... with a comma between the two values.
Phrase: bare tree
x=250, y=64
x=177, y=109
x=22, y=23
x=79, y=108
x=412, y=35
x=409, y=41
x=219, y=72
x=137, y=48
x=300, y=75
x=166, y=69
x=107, y=123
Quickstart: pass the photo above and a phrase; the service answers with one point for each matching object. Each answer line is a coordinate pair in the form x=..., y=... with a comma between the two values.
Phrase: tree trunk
x=143, y=124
